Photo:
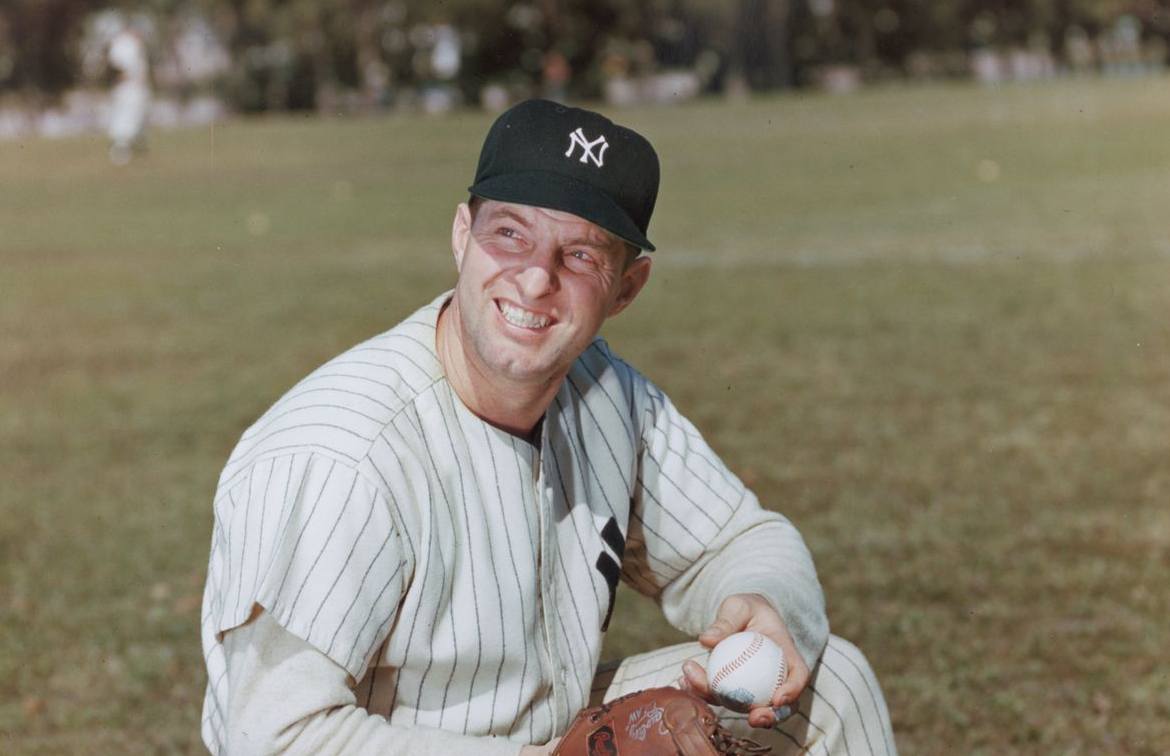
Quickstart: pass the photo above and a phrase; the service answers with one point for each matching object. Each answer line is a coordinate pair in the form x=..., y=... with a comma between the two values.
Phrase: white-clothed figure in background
x=130, y=99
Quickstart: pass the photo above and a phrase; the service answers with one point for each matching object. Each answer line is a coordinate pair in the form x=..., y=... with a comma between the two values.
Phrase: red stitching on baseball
x=756, y=644
x=780, y=673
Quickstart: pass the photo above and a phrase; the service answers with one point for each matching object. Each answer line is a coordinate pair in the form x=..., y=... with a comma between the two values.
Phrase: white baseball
x=745, y=669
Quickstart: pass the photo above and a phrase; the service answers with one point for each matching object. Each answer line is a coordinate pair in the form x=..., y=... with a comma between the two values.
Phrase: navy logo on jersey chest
x=610, y=568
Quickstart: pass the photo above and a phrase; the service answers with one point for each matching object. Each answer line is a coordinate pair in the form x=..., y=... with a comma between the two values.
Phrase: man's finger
x=762, y=716
x=733, y=615
x=796, y=681
x=718, y=630
x=695, y=678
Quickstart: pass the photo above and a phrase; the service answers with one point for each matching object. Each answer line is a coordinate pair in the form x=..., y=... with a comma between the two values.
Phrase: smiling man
x=417, y=548
x=535, y=285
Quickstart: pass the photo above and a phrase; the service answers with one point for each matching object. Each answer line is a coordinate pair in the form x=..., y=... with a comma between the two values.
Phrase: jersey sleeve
x=700, y=534
x=311, y=541
x=288, y=698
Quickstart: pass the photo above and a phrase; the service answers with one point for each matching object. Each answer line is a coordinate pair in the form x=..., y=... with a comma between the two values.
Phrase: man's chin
x=525, y=373
x=526, y=368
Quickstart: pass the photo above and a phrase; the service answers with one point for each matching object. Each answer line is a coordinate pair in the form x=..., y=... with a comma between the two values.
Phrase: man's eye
x=581, y=255
x=507, y=232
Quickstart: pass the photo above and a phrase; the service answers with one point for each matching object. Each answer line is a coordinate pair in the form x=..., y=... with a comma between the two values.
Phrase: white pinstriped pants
x=842, y=711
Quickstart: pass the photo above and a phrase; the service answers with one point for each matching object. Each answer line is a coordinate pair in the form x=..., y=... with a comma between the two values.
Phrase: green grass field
x=930, y=325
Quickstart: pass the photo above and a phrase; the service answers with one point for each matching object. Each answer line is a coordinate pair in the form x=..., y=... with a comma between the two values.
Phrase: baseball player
x=130, y=98
x=417, y=548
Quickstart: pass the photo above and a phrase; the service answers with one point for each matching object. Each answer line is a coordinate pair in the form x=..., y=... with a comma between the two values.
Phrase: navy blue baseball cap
x=550, y=155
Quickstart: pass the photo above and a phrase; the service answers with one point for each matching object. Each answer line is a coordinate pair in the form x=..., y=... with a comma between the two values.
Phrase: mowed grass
x=932, y=326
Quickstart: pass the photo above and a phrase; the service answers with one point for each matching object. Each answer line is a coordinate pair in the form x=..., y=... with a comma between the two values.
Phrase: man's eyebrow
x=599, y=241
x=503, y=212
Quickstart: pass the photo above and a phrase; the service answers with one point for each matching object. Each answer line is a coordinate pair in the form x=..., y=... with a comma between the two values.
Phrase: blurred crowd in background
x=201, y=60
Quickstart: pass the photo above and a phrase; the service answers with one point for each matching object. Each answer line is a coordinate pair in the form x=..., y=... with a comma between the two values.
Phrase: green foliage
x=38, y=41
x=296, y=54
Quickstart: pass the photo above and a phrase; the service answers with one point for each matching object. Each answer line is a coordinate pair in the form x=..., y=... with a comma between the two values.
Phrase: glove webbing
x=729, y=745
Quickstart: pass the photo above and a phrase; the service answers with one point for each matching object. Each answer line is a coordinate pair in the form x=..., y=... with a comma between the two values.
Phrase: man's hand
x=751, y=611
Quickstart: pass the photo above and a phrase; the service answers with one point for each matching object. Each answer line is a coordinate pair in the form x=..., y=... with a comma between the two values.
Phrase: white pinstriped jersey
x=461, y=576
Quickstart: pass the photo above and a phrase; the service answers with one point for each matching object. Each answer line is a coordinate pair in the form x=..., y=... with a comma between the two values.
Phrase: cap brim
x=557, y=192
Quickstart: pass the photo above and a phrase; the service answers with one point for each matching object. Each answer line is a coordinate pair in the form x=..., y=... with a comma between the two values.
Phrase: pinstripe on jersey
x=462, y=576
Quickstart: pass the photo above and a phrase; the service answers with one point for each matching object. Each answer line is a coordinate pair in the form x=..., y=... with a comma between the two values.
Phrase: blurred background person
x=130, y=97
x=556, y=73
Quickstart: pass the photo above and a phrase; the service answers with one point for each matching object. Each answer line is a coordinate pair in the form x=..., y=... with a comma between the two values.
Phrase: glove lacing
x=730, y=745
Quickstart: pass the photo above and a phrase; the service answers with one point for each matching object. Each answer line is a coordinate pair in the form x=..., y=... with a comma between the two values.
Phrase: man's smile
x=522, y=318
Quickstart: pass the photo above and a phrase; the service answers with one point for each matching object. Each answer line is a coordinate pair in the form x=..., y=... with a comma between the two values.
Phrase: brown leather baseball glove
x=653, y=722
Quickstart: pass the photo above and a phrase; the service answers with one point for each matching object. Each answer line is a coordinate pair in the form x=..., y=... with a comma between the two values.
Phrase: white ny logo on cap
x=577, y=138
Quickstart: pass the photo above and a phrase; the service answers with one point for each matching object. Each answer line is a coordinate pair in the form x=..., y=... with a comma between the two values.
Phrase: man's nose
x=538, y=274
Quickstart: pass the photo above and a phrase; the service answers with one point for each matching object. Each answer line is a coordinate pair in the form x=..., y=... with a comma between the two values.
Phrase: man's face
x=534, y=287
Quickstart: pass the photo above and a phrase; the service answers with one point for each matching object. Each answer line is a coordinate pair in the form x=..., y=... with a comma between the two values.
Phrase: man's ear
x=460, y=233
x=634, y=278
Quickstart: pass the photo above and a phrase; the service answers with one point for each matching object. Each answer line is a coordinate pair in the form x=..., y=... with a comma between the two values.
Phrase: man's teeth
x=523, y=318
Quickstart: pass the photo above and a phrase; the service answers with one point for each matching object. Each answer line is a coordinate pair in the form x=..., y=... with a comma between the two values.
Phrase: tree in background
x=38, y=44
x=320, y=54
